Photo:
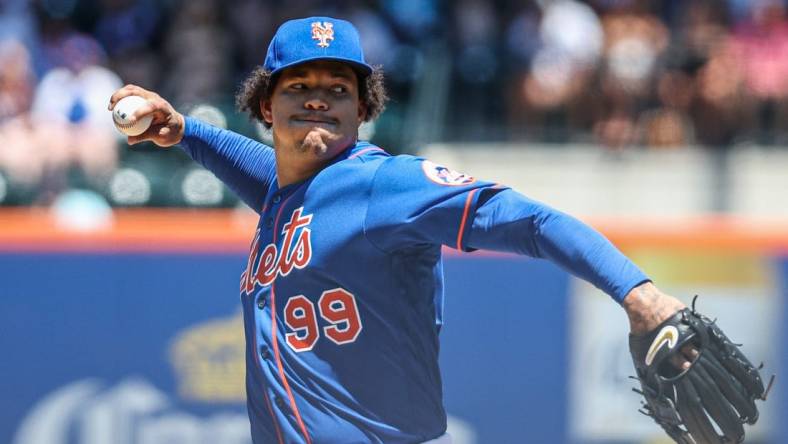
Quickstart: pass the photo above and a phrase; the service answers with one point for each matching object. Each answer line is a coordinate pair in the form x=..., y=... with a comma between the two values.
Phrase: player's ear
x=265, y=110
x=362, y=111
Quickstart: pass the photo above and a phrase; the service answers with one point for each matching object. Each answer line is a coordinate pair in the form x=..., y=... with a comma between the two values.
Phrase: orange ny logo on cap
x=322, y=32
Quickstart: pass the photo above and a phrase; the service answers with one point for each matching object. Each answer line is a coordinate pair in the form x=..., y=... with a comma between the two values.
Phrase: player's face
x=315, y=109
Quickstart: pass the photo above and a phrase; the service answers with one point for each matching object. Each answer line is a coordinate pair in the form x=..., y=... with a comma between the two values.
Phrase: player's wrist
x=181, y=125
x=647, y=307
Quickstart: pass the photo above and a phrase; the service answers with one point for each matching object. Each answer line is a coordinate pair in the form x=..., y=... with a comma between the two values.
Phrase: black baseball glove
x=720, y=387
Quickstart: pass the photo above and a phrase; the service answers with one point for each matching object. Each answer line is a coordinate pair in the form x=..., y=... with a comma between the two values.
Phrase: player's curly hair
x=260, y=84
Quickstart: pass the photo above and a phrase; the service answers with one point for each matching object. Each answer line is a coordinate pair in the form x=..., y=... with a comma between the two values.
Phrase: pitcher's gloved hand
x=720, y=385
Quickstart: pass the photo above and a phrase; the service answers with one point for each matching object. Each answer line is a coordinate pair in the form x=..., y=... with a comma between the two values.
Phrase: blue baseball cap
x=315, y=38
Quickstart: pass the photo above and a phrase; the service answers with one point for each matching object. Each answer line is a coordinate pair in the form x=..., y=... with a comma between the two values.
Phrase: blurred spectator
x=127, y=30
x=669, y=125
x=17, y=22
x=251, y=24
x=635, y=40
x=572, y=28
x=21, y=161
x=23, y=154
x=417, y=19
x=377, y=37
x=522, y=36
x=548, y=98
x=196, y=50
x=474, y=34
x=126, y=25
x=760, y=44
x=70, y=113
x=669, y=122
x=722, y=111
x=16, y=79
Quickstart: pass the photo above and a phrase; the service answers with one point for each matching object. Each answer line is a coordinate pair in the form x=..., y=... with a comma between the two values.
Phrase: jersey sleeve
x=511, y=222
x=414, y=201
x=246, y=166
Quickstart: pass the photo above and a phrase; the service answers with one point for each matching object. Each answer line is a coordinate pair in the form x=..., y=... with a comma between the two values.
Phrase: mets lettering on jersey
x=343, y=293
x=296, y=252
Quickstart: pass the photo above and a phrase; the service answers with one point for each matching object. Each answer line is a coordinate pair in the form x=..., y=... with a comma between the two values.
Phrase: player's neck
x=296, y=164
x=288, y=173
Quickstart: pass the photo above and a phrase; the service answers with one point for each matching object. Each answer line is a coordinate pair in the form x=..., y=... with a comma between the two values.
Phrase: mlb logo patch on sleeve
x=444, y=176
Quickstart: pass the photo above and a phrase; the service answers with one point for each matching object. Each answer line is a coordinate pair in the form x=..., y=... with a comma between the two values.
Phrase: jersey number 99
x=337, y=307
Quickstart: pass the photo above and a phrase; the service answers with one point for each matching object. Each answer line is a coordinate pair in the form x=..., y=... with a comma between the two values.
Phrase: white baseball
x=122, y=112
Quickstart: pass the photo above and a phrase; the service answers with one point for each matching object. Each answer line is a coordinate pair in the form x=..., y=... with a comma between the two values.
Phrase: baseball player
x=343, y=291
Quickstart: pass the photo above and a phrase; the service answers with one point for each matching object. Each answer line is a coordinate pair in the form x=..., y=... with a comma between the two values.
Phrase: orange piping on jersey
x=275, y=342
x=265, y=394
x=465, y=212
x=364, y=151
x=273, y=418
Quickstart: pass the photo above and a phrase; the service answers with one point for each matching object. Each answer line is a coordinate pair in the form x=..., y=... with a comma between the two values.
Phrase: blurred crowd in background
x=620, y=74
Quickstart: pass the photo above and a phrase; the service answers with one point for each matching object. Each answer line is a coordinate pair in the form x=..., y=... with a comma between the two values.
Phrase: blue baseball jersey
x=343, y=290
